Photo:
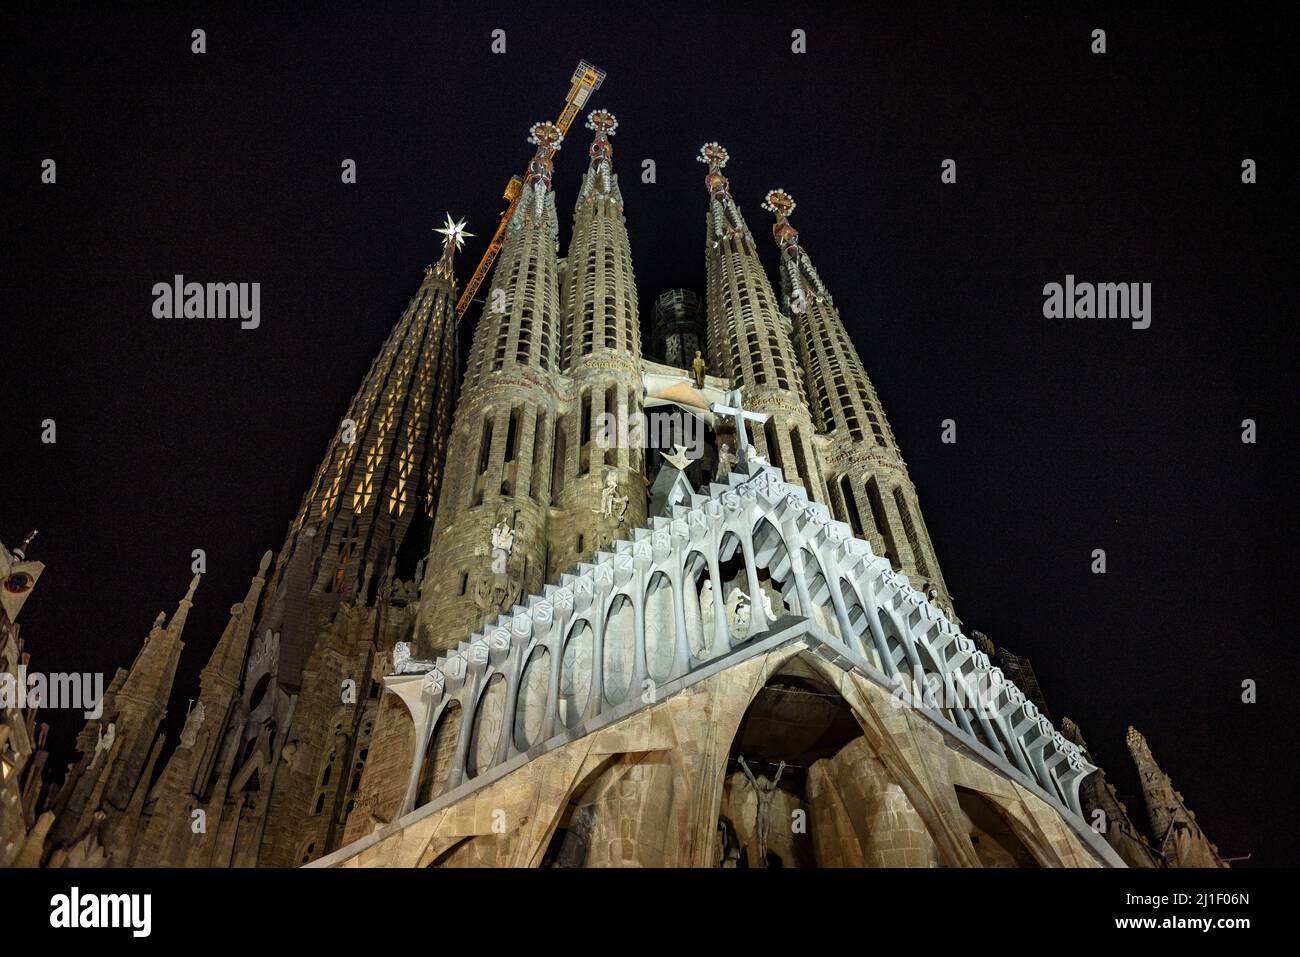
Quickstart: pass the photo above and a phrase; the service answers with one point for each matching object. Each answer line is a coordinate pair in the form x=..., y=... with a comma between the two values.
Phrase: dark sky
x=1072, y=434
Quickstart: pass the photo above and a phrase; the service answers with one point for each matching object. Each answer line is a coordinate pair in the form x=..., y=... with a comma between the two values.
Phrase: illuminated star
x=453, y=232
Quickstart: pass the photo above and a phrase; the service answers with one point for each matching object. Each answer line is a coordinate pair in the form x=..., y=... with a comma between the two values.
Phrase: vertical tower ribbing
x=489, y=548
x=379, y=482
x=602, y=354
x=865, y=474
x=750, y=337
x=384, y=467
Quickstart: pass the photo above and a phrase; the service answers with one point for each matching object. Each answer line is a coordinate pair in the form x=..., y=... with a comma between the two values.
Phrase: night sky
x=1072, y=434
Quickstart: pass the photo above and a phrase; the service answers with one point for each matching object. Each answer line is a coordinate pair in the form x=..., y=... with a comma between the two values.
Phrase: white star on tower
x=453, y=232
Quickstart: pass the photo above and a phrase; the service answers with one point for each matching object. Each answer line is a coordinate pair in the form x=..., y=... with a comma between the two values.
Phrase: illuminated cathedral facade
x=500, y=632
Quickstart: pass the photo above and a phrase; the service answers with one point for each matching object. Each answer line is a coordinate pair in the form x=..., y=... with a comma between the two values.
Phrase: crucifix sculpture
x=737, y=411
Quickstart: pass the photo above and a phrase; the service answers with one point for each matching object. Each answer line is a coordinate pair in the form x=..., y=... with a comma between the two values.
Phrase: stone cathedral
x=578, y=605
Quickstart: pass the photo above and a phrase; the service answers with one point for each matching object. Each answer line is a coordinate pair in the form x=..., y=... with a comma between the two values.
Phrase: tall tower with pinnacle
x=750, y=339
x=595, y=465
x=1177, y=834
x=379, y=485
x=490, y=546
x=866, y=478
x=380, y=477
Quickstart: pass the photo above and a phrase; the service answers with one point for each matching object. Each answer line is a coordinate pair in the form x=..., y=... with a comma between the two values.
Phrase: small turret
x=1177, y=835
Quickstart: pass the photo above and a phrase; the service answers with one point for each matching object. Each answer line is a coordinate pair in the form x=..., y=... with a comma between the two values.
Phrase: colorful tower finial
x=547, y=137
x=781, y=203
x=603, y=122
x=713, y=155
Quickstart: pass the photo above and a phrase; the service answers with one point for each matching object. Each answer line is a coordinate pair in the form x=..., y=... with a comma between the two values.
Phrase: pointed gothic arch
x=439, y=755
x=997, y=837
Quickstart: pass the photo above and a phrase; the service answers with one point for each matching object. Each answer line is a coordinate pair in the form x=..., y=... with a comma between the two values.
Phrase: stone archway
x=811, y=792
x=616, y=815
x=995, y=838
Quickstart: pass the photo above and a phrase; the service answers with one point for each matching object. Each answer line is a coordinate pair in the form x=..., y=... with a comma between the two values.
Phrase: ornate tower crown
x=781, y=203
x=715, y=156
x=602, y=121
x=546, y=135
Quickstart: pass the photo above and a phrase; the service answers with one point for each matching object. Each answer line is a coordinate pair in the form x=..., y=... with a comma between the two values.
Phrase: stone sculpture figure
x=763, y=794
x=503, y=537
x=726, y=459
x=194, y=721
x=613, y=504
x=104, y=742
x=404, y=664
x=698, y=368
x=738, y=613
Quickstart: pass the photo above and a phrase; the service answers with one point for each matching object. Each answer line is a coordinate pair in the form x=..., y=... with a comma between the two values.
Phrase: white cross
x=737, y=411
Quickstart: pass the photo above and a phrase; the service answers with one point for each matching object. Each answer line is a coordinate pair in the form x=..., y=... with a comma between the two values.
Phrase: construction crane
x=586, y=79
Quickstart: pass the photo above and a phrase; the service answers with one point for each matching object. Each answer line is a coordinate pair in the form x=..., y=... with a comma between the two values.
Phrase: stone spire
x=381, y=474
x=600, y=301
x=1177, y=834
x=116, y=747
x=227, y=661
x=520, y=318
x=1102, y=807
x=865, y=473
x=367, y=521
x=168, y=831
x=749, y=338
x=602, y=354
x=491, y=529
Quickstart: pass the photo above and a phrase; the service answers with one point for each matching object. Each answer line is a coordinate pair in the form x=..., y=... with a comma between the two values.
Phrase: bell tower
x=489, y=546
x=866, y=478
x=750, y=339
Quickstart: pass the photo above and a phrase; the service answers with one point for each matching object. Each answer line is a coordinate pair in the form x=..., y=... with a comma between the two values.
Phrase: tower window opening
x=773, y=442
x=851, y=505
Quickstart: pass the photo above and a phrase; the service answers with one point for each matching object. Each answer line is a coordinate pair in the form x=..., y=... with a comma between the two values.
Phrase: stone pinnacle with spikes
x=713, y=155
x=780, y=202
x=603, y=122
x=546, y=135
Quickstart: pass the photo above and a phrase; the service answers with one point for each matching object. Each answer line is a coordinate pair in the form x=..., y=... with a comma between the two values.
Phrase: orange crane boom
x=586, y=79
